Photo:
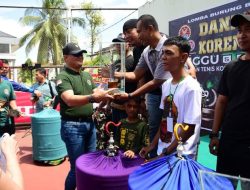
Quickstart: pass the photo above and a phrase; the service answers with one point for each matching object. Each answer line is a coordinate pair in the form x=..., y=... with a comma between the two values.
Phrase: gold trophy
x=115, y=83
x=117, y=64
x=112, y=83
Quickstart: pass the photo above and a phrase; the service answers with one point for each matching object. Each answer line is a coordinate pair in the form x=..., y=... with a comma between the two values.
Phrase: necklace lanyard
x=172, y=96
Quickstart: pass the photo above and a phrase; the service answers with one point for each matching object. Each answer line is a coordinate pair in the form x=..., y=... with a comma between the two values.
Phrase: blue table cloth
x=171, y=172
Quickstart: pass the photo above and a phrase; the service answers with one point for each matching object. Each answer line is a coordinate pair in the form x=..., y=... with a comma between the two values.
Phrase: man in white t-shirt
x=181, y=102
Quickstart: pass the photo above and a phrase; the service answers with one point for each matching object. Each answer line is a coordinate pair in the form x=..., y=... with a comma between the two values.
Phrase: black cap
x=72, y=49
x=236, y=19
x=129, y=24
x=120, y=38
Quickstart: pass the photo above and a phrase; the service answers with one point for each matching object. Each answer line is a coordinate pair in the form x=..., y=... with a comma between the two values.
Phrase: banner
x=24, y=104
x=213, y=44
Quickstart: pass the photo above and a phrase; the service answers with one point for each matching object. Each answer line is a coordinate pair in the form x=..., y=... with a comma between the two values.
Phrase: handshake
x=100, y=94
x=117, y=94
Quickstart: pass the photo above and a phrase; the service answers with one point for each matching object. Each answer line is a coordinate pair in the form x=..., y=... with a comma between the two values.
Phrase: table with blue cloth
x=174, y=172
x=97, y=171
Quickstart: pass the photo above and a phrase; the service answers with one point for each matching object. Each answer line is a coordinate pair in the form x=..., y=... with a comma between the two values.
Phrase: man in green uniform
x=7, y=101
x=77, y=92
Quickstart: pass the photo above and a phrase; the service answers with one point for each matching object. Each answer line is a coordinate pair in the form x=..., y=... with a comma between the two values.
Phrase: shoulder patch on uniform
x=6, y=91
x=89, y=82
x=58, y=82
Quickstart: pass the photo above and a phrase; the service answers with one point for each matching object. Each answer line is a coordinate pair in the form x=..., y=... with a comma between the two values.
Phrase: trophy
x=111, y=149
x=116, y=54
x=112, y=83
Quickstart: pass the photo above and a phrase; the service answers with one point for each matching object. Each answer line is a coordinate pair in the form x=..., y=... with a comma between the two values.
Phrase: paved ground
x=39, y=177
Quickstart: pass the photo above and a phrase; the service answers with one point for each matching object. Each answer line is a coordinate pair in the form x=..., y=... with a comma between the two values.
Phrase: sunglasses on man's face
x=78, y=55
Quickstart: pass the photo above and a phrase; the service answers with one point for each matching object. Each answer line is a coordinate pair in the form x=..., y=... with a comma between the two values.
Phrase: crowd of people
x=161, y=85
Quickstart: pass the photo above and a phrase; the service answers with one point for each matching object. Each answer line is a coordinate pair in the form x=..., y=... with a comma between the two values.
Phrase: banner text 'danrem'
x=223, y=44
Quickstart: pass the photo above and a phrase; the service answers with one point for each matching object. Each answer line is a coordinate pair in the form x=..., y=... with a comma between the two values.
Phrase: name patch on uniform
x=58, y=82
x=6, y=91
x=89, y=82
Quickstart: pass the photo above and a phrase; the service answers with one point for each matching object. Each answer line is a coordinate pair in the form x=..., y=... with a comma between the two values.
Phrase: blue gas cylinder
x=46, y=137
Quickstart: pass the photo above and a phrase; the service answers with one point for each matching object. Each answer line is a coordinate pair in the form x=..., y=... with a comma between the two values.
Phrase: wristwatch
x=91, y=99
x=213, y=135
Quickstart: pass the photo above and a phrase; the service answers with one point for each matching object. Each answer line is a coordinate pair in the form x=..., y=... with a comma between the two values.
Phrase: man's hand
x=47, y=104
x=9, y=146
x=15, y=113
x=213, y=146
x=104, y=72
x=100, y=94
x=37, y=93
x=129, y=154
x=121, y=96
x=145, y=150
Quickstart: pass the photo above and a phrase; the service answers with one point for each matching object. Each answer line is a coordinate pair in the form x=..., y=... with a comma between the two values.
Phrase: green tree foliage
x=95, y=21
x=49, y=30
x=99, y=60
x=25, y=75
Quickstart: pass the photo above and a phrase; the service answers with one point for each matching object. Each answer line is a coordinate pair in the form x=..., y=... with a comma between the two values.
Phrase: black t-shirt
x=137, y=51
x=235, y=84
x=129, y=66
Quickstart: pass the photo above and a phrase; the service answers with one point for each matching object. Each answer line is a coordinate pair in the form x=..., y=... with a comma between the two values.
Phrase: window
x=4, y=48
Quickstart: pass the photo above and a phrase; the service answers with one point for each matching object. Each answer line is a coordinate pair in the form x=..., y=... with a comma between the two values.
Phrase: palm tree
x=49, y=30
x=95, y=21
